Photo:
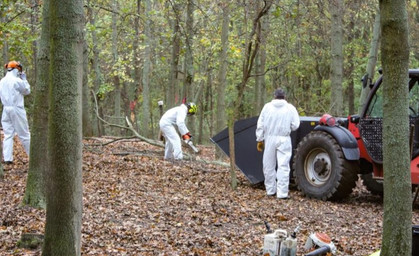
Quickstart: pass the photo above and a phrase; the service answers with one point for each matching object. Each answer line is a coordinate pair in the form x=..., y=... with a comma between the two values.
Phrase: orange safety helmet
x=13, y=64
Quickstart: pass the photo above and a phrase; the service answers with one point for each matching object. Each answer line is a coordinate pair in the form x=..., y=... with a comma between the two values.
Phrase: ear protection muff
x=13, y=64
x=191, y=108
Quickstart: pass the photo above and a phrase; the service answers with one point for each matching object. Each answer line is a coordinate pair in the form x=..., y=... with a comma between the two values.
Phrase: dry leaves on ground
x=137, y=204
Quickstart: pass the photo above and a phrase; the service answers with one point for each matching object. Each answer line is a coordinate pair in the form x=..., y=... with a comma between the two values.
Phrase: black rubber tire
x=321, y=170
x=374, y=186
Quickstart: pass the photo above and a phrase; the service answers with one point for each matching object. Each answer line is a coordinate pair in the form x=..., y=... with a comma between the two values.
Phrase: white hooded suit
x=276, y=121
x=13, y=120
x=174, y=117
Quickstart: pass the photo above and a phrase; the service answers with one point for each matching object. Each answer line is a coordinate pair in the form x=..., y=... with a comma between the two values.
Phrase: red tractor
x=330, y=153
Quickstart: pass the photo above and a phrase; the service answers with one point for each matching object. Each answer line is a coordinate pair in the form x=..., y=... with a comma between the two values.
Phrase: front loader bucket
x=248, y=159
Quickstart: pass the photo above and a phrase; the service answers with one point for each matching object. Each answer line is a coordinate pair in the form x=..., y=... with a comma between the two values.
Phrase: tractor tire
x=374, y=186
x=321, y=170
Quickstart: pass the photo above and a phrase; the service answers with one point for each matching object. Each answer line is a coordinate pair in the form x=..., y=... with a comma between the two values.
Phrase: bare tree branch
x=149, y=141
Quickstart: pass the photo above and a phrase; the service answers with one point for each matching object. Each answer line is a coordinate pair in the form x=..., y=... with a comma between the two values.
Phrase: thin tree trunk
x=135, y=91
x=98, y=127
x=260, y=88
x=34, y=26
x=222, y=75
x=189, y=70
x=349, y=71
x=206, y=105
x=251, y=49
x=189, y=65
x=372, y=60
x=5, y=45
x=146, y=129
x=173, y=80
x=64, y=197
x=397, y=204
x=116, y=80
x=351, y=97
x=86, y=108
x=35, y=194
x=336, y=68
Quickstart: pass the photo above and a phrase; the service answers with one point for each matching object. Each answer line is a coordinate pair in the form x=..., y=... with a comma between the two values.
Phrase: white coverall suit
x=276, y=121
x=13, y=119
x=174, y=116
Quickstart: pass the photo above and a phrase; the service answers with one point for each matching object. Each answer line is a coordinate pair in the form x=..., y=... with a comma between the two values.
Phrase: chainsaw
x=190, y=144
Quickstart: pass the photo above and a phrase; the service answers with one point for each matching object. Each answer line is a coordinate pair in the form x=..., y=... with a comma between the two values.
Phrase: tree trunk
x=260, y=88
x=189, y=69
x=135, y=91
x=222, y=75
x=251, y=49
x=336, y=68
x=206, y=107
x=86, y=108
x=372, y=60
x=116, y=83
x=35, y=194
x=232, y=150
x=98, y=127
x=64, y=197
x=146, y=129
x=5, y=45
x=34, y=27
x=350, y=97
x=189, y=65
x=173, y=80
x=397, y=218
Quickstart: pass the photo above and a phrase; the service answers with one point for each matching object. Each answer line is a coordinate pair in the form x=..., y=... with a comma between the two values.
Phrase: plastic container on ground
x=272, y=242
x=289, y=246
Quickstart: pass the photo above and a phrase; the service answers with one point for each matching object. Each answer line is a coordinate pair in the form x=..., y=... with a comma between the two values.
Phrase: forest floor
x=137, y=204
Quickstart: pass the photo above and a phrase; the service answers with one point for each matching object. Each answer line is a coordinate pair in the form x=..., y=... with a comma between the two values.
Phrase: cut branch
x=149, y=141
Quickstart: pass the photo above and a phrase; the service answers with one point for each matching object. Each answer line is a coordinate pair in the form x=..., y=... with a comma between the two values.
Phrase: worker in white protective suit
x=175, y=117
x=275, y=123
x=13, y=120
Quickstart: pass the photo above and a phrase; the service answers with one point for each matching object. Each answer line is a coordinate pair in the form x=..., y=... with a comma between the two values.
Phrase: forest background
x=140, y=52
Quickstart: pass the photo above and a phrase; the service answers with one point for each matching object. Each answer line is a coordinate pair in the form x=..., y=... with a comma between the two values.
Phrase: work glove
x=23, y=76
x=260, y=146
x=187, y=136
